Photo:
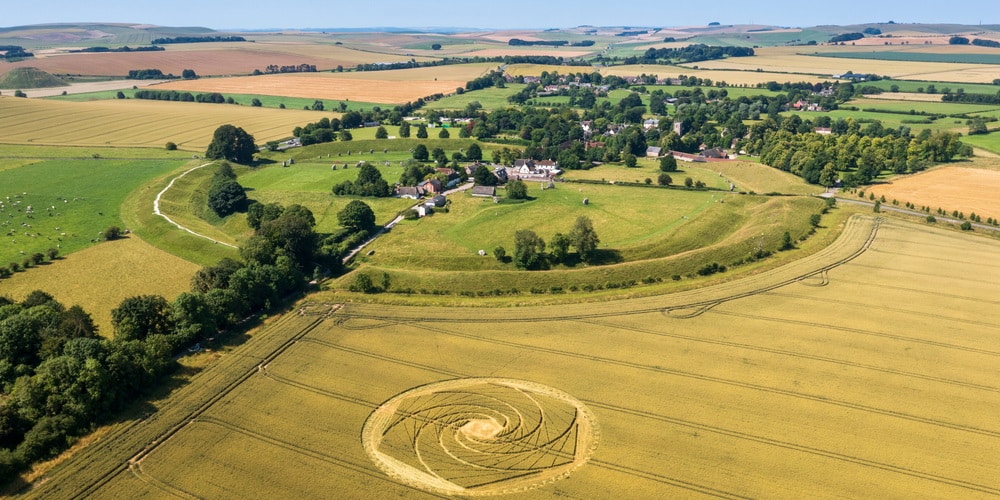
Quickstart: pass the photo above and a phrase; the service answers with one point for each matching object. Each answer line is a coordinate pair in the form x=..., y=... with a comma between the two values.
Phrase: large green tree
x=584, y=238
x=517, y=190
x=529, y=250
x=357, y=215
x=138, y=317
x=231, y=143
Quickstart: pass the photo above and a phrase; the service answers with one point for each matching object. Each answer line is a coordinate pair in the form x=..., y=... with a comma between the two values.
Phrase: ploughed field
x=867, y=369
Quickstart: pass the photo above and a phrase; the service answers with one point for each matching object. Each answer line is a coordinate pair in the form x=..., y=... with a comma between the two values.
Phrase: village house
x=411, y=192
x=653, y=152
x=430, y=186
x=651, y=123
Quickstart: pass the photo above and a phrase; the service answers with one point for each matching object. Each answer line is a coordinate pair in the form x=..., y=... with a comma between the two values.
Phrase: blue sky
x=229, y=14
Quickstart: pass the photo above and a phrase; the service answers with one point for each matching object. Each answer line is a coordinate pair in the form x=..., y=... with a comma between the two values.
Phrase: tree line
x=196, y=39
x=173, y=95
x=692, y=53
x=15, y=52
x=271, y=69
x=148, y=74
x=126, y=48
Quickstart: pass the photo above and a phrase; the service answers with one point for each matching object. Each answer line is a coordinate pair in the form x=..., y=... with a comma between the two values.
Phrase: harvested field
x=390, y=87
x=950, y=187
x=850, y=374
x=320, y=86
x=207, y=59
x=798, y=59
x=137, y=122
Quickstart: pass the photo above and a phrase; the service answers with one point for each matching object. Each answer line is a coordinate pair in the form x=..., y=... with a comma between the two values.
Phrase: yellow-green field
x=100, y=277
x=866, y=370
x=138, y=123
x=801, y=60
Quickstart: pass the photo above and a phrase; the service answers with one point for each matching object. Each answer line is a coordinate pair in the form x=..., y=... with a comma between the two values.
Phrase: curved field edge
x=137, y=212
x=769, y=220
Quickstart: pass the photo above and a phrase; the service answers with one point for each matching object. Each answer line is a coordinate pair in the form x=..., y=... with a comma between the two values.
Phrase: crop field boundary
x=86, y=472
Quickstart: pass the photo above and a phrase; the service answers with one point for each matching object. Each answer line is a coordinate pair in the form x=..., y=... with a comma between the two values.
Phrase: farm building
x=488, y=191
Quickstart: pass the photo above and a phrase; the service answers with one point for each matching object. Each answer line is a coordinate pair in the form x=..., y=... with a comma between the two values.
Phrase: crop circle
x=480, y=436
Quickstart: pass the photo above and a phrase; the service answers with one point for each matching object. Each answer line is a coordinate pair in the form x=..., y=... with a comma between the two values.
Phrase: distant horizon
x=313, y=15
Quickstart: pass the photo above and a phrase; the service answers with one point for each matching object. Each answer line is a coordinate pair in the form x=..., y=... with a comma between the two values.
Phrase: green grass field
x=913, y=86
x=71, y=200
x=491, y=98
x=311, y=184
x=989, y=142
x=894, y=55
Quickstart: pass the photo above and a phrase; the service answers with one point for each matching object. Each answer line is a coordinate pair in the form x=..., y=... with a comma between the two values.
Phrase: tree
x=664, y=179
x=170, y=146
x=404, y=130
x=435, y=46
x=688, y=182
x=584, y=238
x=474, y=152
x=484, y=177
x=421, y=131
x=517, y=190
x=188, y=74
x=233, y=144
x=529, y=250
x=500, y=253
x=443, y=134
x=357, y=216
x=363, y=283
x=630, y=160
x=226, y=196
x=256, y=103
x=668, y=163
x=345, y=135
x=136, y=318
x=381, y=133
x=420, y=153
x=120, y=95
x=559, y=248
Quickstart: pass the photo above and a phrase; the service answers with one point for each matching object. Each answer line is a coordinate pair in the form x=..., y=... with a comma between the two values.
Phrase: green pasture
x=647, y=168
x=490, y=98
x=923, y=107
x=183, y=202
x=915, y=86
x=989, y=142
x=915, y=57
x=72, y=201
x=732, y=92
x=372, y=150
x=893, y=120
x=685, y=231
x=266, y=101
x=311, y=185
